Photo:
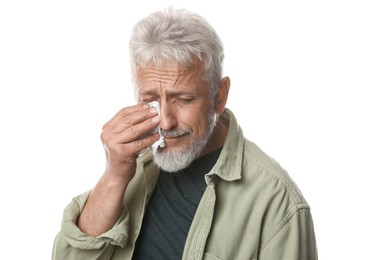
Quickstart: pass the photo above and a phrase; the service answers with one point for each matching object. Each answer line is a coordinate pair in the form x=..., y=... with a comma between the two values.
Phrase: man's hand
x=123, y=137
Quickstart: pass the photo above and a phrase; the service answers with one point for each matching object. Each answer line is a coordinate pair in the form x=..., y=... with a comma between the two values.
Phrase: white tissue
x=160, y=142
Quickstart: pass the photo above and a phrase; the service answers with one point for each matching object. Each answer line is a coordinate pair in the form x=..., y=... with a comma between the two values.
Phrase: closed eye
x=185, y=100
x=148, y=99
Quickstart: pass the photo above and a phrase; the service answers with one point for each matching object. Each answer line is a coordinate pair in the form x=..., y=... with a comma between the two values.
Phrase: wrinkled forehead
x=170, y=69
x=166, y=71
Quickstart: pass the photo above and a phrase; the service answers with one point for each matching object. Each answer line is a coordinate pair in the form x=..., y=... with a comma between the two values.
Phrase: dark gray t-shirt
x=171, y=210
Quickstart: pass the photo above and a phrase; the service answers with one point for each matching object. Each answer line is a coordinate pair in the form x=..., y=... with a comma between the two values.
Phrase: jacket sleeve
x=72, y=243
x=292, y=239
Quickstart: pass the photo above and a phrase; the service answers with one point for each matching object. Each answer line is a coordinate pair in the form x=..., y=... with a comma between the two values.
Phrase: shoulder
x=260, y=168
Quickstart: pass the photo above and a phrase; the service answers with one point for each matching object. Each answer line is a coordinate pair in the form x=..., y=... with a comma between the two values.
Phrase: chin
x=175, y=159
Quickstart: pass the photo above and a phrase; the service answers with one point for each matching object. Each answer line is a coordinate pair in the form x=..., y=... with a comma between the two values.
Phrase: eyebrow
x=147, y=93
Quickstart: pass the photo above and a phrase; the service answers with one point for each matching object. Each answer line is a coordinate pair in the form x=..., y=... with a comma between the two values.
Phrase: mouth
x=175, y=136
x=175, y=133
x=171, y=138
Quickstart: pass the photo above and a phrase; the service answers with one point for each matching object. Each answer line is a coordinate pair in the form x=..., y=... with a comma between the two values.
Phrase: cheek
x=195, y=119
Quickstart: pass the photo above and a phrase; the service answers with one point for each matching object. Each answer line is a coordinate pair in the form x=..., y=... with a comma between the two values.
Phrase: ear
x=222, y=95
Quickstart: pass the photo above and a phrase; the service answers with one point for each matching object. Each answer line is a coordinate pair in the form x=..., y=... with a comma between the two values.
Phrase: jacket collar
x=229, y=164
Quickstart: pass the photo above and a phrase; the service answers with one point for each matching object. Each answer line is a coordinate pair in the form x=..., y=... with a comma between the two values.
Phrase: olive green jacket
x=251, y=209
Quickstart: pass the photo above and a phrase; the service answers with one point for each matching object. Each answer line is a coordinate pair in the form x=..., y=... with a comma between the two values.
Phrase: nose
x=167, y=116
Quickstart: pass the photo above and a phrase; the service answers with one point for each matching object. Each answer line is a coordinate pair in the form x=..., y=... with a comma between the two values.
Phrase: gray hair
x=180, y=36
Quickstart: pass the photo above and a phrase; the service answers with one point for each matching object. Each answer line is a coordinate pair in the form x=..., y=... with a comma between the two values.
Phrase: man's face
x=187, y=116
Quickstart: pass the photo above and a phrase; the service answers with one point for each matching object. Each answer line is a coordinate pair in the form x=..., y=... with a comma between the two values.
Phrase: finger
x=139, y=145
x=123, y=113
x=129, y=116
x=137, y=131
x=132, y=148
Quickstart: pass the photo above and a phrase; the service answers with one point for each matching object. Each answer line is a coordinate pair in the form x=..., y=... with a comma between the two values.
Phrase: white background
x=298, y=71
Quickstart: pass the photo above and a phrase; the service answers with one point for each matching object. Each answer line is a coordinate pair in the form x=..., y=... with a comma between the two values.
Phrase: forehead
x=169, y=73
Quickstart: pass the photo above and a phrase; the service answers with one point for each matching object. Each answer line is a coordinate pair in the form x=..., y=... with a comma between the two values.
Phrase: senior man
x=205, y=192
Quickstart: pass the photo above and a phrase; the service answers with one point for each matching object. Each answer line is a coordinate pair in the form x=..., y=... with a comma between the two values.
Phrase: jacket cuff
x=117, y=235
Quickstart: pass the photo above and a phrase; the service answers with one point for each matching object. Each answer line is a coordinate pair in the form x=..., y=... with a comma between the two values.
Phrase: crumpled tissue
x=160, y=142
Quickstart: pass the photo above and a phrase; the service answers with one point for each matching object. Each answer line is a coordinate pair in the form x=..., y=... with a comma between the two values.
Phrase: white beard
x=174, y=161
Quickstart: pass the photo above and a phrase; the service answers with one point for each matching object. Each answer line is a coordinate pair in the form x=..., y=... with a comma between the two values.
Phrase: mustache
x=175, y=133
